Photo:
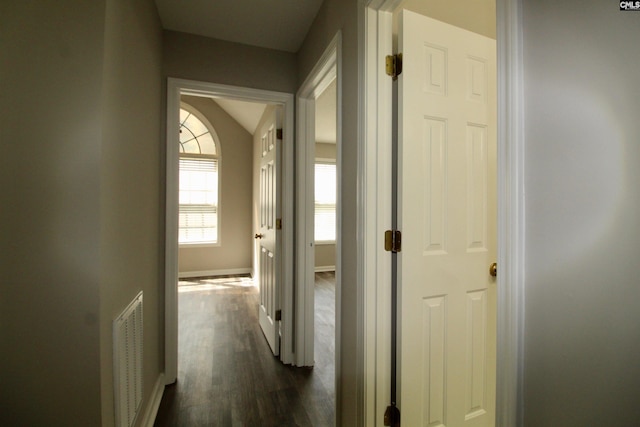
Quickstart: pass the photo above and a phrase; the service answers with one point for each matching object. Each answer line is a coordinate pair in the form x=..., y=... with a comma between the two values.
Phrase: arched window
x=199, y=169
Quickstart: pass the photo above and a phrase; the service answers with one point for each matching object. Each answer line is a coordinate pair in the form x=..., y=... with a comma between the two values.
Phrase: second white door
x=447, y=215
x=268, y=238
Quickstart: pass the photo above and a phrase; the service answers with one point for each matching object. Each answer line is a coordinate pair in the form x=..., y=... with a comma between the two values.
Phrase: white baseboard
x=154, y=402
x=324, y=268
x=206, y=273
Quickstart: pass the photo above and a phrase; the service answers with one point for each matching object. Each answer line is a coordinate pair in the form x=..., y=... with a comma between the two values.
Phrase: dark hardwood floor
x=227, y=375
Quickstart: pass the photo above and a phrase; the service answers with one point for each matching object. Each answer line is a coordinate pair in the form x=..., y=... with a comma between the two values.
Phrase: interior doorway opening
x=318, y=231
x=198, y=92
x=325, y=191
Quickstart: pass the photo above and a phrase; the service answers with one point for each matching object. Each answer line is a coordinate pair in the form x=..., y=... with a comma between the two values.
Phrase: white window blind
x=198, y=217
x=325, y=202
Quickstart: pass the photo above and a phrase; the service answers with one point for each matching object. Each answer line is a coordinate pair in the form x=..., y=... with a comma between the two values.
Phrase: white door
x=268, y=237
x=447, y=215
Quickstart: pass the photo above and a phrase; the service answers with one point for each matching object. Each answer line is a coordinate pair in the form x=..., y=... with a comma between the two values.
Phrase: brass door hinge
x=279, y=133
x=278, y=315
x=278, y=223
x=392, y=241
x=393, y=65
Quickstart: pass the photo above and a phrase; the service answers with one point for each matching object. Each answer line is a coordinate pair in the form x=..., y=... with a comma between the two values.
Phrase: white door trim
x=511, y=220
x=375, y=210
x=375, y=151
x=174, y=88
x=323, y=73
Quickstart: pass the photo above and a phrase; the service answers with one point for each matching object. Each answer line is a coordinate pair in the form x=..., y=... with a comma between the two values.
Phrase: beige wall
x=234, y=250
x=50, y=262
x=478, y=16
x=82, y=234
x=325, y=151
x=342, y=15
x=200, y=58
x=325, y=256
x=582, y=163
x=130, y=198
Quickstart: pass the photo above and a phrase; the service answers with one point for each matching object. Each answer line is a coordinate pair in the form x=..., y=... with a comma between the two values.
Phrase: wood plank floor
x=227, y=375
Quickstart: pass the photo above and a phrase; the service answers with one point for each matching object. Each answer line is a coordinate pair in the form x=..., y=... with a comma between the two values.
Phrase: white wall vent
x=127, y=361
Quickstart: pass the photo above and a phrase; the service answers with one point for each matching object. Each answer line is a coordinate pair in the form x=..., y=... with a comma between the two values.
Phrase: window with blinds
x=325, y=202
x=198, y=218
x=198, y=182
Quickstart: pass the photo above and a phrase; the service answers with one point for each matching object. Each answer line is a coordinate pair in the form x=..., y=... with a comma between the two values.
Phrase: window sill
x=198, y=245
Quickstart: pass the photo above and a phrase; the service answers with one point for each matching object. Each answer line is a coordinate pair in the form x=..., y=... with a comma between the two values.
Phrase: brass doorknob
x=258, y=236
x=493, y=269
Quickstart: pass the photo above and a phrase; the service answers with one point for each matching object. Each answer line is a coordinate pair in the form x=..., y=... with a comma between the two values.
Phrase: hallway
x=227, y=375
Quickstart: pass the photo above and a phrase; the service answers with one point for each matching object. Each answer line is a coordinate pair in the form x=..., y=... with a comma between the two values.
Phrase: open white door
x=268, y=237
x=447, y=215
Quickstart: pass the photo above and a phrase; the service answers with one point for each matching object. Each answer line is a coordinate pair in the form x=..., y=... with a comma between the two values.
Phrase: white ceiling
x=273, y=24
x=248, y=114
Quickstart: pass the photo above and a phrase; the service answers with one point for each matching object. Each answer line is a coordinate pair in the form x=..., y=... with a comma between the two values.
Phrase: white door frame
x=324, y=72
x=375, y=155
x=176, y=87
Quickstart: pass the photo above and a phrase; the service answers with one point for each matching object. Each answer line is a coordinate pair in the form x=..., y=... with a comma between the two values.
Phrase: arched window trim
x=218, y=156
x=208, y=125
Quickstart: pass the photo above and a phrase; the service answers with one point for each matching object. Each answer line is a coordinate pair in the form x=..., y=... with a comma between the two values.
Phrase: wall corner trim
x=511, y=214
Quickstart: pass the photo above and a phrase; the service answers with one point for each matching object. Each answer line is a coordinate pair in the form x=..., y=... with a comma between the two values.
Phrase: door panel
x=447, y=213
x=268, y=237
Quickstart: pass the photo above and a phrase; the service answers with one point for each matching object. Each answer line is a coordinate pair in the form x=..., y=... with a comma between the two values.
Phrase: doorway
x=322, y=79
x=318, y=231
x=176, y=89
